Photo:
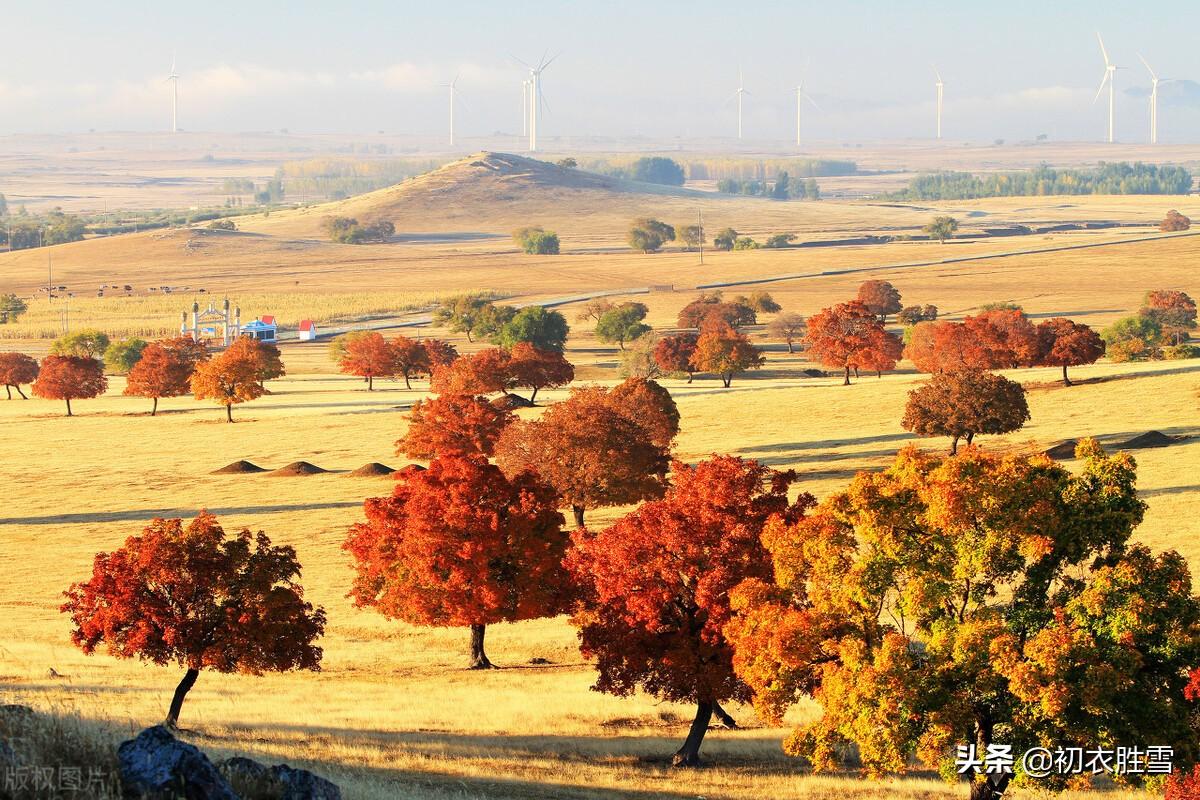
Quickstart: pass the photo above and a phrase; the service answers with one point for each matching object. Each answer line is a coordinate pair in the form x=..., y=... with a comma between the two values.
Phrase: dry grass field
x=392, y=714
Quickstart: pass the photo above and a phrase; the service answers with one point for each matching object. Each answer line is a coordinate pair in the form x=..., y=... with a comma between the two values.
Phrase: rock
x=511, y=402
x=281, y=782
x=1063, y=450
x=816, y=373
x=156, y=764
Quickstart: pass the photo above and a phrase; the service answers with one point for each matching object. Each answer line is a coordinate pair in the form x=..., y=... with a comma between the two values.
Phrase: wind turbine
x=525, y=107
x=741, y=90
x=939, y=86
x=174, y=80
x=801, y=96
x=1110, y=76
x=536, y=98
x=1154, y=82
x=451, y=86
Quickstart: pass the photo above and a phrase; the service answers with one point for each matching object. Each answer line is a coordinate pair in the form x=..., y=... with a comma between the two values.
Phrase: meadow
x=392, y=713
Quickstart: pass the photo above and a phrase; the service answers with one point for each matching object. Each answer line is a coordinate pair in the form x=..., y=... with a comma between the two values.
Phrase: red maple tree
x=368, y=356
x=848, y=335
x=16, y=369
x=485, y=372
x=1064, y=343
x=1007, y=336
x=655, y=585
x=460, y=545
x=1174, y=310
x=725, y=352
x=165, y=369
x=410, y=358
x=880, y=298
x=591, y=453
x=535, y=368
x=453, y=424
x=945, y=346
x=70, y=378
x=264, y=356
x=198, y=598
x=674, y=353
x=650, y=405
x=438, y=353
x=233, y=377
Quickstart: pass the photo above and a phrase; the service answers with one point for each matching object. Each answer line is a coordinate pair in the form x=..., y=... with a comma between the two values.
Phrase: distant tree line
x=1116, y=178
x=709, y=169
x=782, y=188
x=348, y=230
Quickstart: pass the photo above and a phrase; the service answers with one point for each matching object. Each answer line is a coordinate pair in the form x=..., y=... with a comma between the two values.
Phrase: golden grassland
x=392, y=714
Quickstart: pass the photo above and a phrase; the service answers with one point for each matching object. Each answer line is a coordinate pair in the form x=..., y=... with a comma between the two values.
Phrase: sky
x=655, y=68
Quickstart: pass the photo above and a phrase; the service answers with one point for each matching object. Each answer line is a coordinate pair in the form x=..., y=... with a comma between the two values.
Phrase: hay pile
x=238, y=468
x=297, y=469
x=372, y=470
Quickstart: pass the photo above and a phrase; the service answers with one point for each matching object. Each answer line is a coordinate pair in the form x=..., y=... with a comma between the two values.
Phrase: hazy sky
x=1012, y=69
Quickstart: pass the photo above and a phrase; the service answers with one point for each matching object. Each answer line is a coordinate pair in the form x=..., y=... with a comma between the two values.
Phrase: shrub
x=725, y=238
x=656, y=169
x=222, y=225
x=537, y=242
x=745, y=243
x=777, y=240
x=1175, y=221
x=649, y=235
x=1177, y=352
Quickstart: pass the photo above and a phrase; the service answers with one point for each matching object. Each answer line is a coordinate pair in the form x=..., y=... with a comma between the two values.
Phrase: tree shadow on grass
x=142, y=514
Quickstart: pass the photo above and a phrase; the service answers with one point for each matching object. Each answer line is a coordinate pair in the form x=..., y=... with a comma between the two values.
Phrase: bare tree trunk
x=578, y=515
x=229, y=412
x=533, y=397
x=790, y=350
x=954, y=446
x=690, y=376
x=479, y=659
x=1066, y=380
x=68, y=406
x=407, y=385
x=185, y=685
x=370, y=383
x=971, y=437
x=8, y=388
x=847, y=381
x=723, y=717
x=18, y=388
x=689, y=754
x=154, y=408
x=727, y=379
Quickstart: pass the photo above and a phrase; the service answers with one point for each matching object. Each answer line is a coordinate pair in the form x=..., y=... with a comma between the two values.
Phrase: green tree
x=777, y=240
x=745, y=243
x=812, y=191
x=491, y=319
x=725, y=238
x=780, y=190
x=941, y=228
x=656, y=169
x=536, y=241
x=87, y=343
x=542, y=328
x=649, y=235
x=622, y=324
x=121, y=355
x=461, y=313
x=11, y=307
x=689, y=235
x=567, y=163
x=1138, y=338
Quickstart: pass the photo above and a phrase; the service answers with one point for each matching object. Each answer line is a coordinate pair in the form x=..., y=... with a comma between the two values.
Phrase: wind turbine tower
x=174, y=79
x=1110, y=75
x=801, y=96
x=1154, y=81
x=939, y=86
x=451, y=86
x=741, y=90
x=536, y=99
x=525, y=107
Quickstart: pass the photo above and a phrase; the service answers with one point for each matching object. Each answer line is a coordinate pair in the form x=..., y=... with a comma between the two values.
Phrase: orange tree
x=655, y=585
x=369, y=356
x=534, y=368
x=15, y=369
x=973, y=600
x=880, y=298
x=165, y=369
x=200, y=599
x=1063, y=343
x=485, y=372
x=589, y=451
x=648, y=404
x=964, y=404
x=453, y=424
x=460, y=545
x=70, y=378
x=847, y=336
x=673, y=354
x=410, y=358
x=725, y=352
x=234, y=376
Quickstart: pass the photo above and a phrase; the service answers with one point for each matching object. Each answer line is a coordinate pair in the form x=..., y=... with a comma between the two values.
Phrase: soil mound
x=1148, y=439
x=1063, y=450
x=238, y=468
x=511, y=402
x=297, y=468
x=407, y=468
x=372, y=470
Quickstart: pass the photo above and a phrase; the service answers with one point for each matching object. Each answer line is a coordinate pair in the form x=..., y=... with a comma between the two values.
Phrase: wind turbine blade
x=1103, y=81
x=551, y=61
x=938, y=74
x=1148, y=69
x=1104, y=52
x=542, y=99
x=814, y=102
x=519, y=61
